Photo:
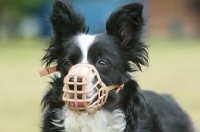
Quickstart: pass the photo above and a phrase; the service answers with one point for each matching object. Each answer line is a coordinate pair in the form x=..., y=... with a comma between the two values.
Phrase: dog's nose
x=79, y=87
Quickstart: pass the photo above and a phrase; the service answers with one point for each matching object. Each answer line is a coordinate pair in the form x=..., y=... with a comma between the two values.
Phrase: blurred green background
x=172, y=32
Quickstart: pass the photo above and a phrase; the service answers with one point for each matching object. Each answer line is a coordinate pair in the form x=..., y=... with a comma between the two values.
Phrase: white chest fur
x=101, y=121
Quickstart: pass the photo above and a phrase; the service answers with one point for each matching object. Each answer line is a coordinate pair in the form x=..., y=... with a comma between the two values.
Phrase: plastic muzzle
x=84, y=90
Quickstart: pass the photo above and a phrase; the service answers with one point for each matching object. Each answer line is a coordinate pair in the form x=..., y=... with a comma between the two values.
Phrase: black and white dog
x=114, y=54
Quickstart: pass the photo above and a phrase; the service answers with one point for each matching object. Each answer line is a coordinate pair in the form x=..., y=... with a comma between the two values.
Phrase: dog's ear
x=65, y=20
x=126, y=23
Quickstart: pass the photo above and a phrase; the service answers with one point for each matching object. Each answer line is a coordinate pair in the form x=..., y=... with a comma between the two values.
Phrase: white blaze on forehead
x=84, y=42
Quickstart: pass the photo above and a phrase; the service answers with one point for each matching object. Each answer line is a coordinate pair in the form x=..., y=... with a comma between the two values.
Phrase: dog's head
x=111, y=53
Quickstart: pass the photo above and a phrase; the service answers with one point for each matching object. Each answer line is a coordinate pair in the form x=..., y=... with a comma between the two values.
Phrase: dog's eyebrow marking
x=84, y=42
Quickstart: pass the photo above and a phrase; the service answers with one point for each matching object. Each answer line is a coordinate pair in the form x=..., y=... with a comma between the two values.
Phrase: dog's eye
x=67, y=64
x=102, y=63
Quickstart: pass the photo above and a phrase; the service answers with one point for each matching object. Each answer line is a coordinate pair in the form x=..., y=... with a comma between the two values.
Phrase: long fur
x=101, y=121
x=115, y=54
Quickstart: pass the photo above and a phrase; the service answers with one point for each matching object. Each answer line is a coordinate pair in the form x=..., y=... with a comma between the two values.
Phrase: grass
x=174, y=69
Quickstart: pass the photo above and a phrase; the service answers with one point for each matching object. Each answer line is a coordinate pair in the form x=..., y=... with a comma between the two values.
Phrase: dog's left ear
x=126, y=24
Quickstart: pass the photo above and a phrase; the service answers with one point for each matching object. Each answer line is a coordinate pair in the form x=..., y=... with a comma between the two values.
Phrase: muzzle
x=84, y=90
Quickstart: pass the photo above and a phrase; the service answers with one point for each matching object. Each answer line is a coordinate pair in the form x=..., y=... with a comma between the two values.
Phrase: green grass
x=174, y=69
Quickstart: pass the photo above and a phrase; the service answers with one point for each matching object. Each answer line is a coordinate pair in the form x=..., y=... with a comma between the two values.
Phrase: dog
x=113, y=54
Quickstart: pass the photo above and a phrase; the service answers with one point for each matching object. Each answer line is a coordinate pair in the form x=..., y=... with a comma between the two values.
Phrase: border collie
x=115, y=54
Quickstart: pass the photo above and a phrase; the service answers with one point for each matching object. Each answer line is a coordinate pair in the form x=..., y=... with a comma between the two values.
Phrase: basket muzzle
x=84, y=90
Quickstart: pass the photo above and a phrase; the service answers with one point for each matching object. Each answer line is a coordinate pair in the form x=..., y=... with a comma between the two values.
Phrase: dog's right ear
x=126, y=24
x=66, y=21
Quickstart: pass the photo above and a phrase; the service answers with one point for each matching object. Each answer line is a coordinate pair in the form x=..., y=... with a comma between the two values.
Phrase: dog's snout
x=79, y=87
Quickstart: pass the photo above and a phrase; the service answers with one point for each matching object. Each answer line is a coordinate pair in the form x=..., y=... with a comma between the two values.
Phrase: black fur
x=145, y=111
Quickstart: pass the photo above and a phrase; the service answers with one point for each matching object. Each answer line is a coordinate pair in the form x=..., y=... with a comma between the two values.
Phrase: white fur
x=101, y=121
x=84, y=42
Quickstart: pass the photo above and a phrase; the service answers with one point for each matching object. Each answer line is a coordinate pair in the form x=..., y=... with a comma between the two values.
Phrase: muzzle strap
x=117, y=87
x=48, y=71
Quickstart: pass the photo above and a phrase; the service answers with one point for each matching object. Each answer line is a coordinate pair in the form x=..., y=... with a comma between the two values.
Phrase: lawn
x=174, y=69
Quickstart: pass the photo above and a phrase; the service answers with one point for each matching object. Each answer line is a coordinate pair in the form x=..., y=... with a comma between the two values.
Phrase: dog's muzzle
x=84, y=90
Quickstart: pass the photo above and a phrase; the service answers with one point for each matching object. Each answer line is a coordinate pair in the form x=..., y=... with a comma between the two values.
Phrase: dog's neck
x=101, y=121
